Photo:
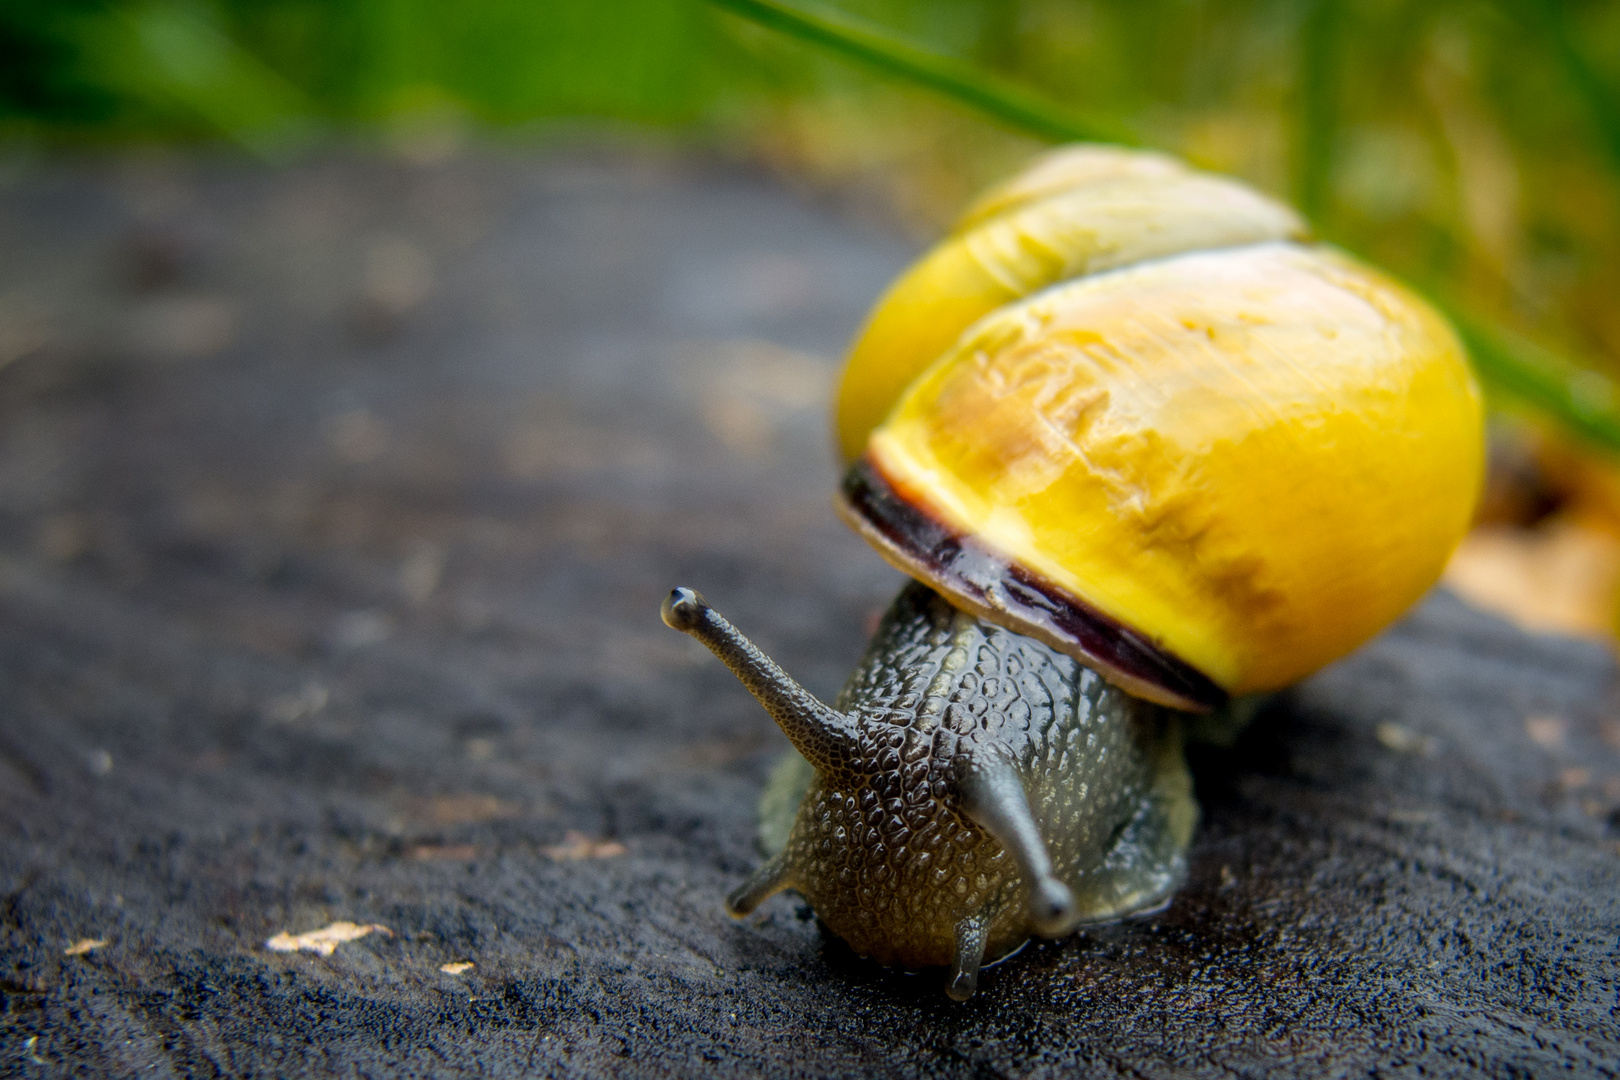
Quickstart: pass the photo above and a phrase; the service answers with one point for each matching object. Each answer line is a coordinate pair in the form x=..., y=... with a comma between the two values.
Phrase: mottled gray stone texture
x=336, y=505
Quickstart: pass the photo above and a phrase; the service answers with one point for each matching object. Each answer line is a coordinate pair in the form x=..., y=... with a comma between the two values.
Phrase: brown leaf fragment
x=429, y=852
x=325, y=940
x=1576, y=777
x=1546, y=731
x=82, y=946
x=1403, y=740
x=465, y=809
x=576, y=845
x=1558, y=578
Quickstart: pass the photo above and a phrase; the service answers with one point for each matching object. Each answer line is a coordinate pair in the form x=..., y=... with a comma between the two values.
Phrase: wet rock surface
x=336, y=505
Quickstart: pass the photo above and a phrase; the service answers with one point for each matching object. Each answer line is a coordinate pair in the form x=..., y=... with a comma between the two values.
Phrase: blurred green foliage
x=1472, y=146
x=190, y=67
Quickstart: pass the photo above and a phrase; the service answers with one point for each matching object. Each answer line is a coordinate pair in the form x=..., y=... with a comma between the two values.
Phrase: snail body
x=971, y=787
x=1144, y=449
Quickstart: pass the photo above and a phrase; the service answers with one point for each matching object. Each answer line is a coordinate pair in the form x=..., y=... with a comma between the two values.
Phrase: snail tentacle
x=990, y=791
x=774, y=875
x=827, y=738
x=972, y=933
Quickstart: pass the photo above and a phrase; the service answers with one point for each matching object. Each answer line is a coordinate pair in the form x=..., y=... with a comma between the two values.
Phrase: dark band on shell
x=982, y=580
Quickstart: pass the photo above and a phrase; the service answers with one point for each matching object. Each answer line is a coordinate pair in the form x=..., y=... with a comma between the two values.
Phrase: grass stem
x=956, y=79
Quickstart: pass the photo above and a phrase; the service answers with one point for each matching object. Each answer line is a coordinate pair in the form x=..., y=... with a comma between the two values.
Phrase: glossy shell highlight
x=1078, y=210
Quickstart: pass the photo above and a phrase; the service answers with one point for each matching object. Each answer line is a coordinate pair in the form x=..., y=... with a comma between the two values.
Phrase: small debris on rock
x=361, y=629
x=465, y=809
x=290, y=708
x=1573, y=778
x=421, y=571
x=1403, y=740
x=325, y=940
x=1559, y=578
x=1410, y=817
x=443, y=851
x=457, y=967
x=82, y=946
x=576, y=846
x=1547, y=731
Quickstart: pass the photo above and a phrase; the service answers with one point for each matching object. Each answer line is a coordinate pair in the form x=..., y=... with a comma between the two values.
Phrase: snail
x=1146, y=451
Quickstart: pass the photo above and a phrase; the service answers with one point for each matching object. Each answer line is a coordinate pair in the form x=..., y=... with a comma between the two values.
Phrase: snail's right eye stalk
x=826, y=737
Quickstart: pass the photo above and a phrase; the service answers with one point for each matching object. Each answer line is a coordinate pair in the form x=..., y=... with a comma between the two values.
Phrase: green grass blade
x=1601, y=99
x=1583, y=401
x=872, y=45
x=1316, y=109
x=181, y=55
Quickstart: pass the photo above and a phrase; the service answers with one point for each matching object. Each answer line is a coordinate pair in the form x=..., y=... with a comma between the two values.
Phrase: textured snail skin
x=970, y=788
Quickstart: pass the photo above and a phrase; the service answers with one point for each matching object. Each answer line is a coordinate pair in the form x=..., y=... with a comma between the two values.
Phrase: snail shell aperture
x=1143, y=448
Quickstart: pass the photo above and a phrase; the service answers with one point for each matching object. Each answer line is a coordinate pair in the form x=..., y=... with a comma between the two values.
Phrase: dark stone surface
x=336, y=505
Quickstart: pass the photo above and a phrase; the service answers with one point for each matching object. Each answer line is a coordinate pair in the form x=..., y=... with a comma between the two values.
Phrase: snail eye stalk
x=990, y=792
x=972, y=934
x=771, y=878
x=827, y=738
